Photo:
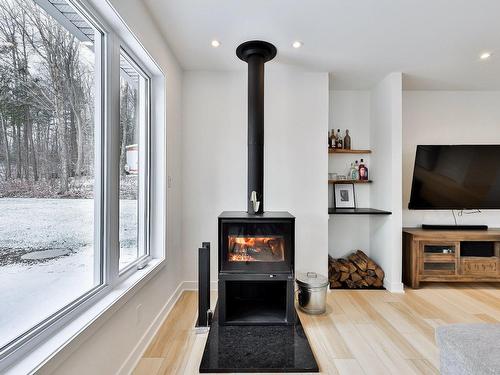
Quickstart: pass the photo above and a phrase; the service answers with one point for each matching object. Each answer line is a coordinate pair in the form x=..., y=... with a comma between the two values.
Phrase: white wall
x=386, y=190
x=106, y=350
x=215, y=157
x=213, y=151
x=349, y=110
x=447, y=117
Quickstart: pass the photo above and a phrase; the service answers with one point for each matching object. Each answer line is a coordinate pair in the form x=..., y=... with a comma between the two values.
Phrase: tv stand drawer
x=479, y=266
x=439, y=258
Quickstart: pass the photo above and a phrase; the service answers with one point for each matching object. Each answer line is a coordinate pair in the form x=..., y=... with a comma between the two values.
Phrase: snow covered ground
x=47, y=256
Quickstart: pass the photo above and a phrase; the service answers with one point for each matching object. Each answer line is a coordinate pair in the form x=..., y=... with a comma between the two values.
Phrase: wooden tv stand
x=450, y=255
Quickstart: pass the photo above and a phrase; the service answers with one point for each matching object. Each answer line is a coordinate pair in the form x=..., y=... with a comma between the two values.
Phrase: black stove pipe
x=256, y=53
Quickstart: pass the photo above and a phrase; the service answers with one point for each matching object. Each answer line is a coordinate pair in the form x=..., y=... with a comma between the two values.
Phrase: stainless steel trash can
x=312, y=292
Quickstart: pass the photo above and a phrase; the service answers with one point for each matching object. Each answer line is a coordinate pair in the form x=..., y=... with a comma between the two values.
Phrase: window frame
x=144, y=181
x=106, y=202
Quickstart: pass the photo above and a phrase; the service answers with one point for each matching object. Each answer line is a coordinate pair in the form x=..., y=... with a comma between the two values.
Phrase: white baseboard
x=134, y=357
x=394, y=287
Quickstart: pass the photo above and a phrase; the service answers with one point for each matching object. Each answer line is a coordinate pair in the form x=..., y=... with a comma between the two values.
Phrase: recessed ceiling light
x=485, y=56
x=297, y=44
x=215, y=43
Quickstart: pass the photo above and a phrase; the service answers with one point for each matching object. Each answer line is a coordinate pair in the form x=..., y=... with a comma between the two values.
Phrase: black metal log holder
x=204, y=312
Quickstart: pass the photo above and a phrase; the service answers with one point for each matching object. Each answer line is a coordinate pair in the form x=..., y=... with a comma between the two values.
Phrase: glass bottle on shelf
x=363, y=171
x=347, y=140
x=332, y=139
x=352, y=172
x=340, y=141
x=355, y=171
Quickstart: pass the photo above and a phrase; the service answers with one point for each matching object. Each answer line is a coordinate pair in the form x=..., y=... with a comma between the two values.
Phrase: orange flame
x=245, y=249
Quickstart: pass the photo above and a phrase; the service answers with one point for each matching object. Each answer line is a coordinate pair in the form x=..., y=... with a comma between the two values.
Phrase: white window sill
x=59, y=346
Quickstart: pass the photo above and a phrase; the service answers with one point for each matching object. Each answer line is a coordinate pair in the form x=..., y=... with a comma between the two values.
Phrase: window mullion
x=144, y=166
x=113, y=161
x=99, y=187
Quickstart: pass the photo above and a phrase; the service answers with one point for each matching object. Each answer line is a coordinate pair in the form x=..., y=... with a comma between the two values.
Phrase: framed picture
x=343, y=195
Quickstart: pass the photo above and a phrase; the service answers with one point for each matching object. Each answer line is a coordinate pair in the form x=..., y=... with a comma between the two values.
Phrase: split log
x=358, y=261
x=361, y=283
x=380, y=273
x=370, y=280
x=335, y=284
x=351, y=284
x=352, y=268
x=343, y=268
x=355, y=277
x=370, y=264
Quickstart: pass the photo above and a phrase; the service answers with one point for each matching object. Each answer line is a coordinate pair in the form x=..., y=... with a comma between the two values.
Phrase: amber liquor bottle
x=332, y=140
x=347, y=140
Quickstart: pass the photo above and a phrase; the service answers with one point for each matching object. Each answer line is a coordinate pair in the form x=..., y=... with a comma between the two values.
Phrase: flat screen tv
x=456, y=177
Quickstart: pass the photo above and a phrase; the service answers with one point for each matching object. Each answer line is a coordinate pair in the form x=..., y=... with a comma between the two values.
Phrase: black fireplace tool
x=204, y=312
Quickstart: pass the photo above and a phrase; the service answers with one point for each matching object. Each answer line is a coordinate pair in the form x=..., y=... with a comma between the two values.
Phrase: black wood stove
x=256, y=248
x=255, y=326
x=256, y=268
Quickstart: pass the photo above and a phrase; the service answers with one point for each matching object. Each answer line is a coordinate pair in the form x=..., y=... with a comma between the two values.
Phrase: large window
x=58, y=228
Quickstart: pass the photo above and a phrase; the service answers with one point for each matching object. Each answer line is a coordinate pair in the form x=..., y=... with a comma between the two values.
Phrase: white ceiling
x=435, y=43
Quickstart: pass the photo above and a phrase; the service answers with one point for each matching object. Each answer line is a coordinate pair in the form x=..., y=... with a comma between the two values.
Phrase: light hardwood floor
x=363, y=332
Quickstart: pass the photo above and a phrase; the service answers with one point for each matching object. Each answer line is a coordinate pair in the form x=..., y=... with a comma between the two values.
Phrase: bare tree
x=46, y=100
x=8, y=173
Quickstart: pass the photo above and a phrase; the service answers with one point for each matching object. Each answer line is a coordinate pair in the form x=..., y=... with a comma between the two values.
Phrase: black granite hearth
x=282, y=348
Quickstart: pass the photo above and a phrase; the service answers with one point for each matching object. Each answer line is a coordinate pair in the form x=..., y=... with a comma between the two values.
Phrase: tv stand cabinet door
x=438, y=258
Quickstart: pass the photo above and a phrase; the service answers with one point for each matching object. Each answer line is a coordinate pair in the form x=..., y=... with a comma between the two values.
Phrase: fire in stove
x=256, y=249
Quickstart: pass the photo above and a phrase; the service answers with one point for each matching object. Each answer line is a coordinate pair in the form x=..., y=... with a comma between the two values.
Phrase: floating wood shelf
x=357, y=211
x=333, y=182
x=344, y=151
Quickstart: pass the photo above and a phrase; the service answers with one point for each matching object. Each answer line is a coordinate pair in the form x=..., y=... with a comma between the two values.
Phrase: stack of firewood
x=357, y=271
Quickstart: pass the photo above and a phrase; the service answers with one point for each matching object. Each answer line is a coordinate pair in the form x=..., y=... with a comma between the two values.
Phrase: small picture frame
x=344, y=196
